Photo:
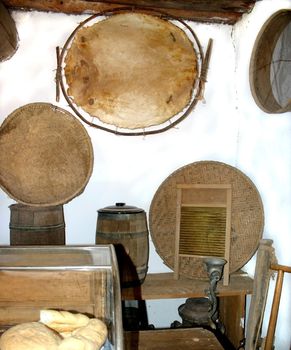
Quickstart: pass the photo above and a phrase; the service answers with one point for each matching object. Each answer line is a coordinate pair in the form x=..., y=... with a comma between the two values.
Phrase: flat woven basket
x=247, y=215
x=46, y=155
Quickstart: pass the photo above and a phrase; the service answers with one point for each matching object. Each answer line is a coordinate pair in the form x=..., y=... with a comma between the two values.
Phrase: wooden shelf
x=171, y=339
x=164, y=286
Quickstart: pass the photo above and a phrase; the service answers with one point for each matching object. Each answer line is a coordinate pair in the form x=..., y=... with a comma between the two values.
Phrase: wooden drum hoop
x=262, y=60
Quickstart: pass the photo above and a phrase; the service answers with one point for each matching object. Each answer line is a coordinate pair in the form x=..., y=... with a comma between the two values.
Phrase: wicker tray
x=46, y=155
x=247, y=215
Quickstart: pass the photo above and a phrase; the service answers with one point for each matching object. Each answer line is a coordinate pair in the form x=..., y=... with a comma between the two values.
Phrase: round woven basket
x=46, y=155
x=247, y=215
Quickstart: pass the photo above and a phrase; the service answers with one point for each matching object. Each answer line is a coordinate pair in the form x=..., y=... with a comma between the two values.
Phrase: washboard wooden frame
x=210, y=204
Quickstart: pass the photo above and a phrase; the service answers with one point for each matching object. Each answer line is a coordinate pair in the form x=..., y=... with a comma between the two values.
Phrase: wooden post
x=265, y=256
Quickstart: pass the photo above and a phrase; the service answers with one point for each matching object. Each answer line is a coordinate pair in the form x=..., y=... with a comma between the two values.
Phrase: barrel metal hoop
x=120, y=235
x=36, y=228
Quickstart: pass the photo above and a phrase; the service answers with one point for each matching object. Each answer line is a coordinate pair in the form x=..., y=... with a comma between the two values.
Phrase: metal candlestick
x=214, y=268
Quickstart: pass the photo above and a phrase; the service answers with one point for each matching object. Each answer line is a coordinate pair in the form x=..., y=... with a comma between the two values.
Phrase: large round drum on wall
x=247, y=215
x=129, y=70
x=270, y=65
x=46, y=155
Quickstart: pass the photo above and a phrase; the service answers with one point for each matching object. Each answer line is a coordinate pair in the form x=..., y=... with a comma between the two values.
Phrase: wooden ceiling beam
x=214, y=11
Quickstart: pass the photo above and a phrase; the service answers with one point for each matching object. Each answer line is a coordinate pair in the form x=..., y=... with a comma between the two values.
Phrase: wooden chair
x=266, y=264
x=281, y=269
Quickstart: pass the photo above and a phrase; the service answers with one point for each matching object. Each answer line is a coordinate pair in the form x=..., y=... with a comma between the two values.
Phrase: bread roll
x=76, y=343
x=89, y=337
x=95, y=331
x=63, y=321
x=77, y=332
x=30, y=335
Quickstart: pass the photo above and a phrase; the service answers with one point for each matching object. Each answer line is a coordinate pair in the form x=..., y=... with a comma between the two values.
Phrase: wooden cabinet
x=232, y=298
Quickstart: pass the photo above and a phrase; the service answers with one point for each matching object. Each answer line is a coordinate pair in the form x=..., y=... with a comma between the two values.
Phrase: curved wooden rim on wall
x=46, y=155
x=197, y=88
x=8, y=34
x=247, y=215
x=260, y=63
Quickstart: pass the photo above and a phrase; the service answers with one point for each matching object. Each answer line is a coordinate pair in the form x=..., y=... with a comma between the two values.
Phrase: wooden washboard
x=203, y=223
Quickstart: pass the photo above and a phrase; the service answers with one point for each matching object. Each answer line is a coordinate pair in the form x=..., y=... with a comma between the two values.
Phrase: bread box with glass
x=71, y=279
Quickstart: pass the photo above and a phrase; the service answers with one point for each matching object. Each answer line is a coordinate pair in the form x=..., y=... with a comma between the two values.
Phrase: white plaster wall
x=263, y=152
x=229, y=127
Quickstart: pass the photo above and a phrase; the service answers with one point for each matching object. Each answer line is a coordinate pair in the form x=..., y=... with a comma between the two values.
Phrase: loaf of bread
x=95, y=331
x=63, y=321
x=56, y=330
x=30, y=336
x=77, y=343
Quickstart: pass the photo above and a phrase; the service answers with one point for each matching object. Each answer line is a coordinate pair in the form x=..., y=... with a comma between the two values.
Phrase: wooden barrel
x=36, y=225
x=126, y=228
x=8, y=34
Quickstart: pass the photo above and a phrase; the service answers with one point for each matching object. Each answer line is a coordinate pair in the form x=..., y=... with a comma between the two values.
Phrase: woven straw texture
x=46, y=155
x=247, y=215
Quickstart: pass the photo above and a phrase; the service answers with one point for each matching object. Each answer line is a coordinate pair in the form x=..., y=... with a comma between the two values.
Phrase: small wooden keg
x=36, y=225
x=126, y=228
